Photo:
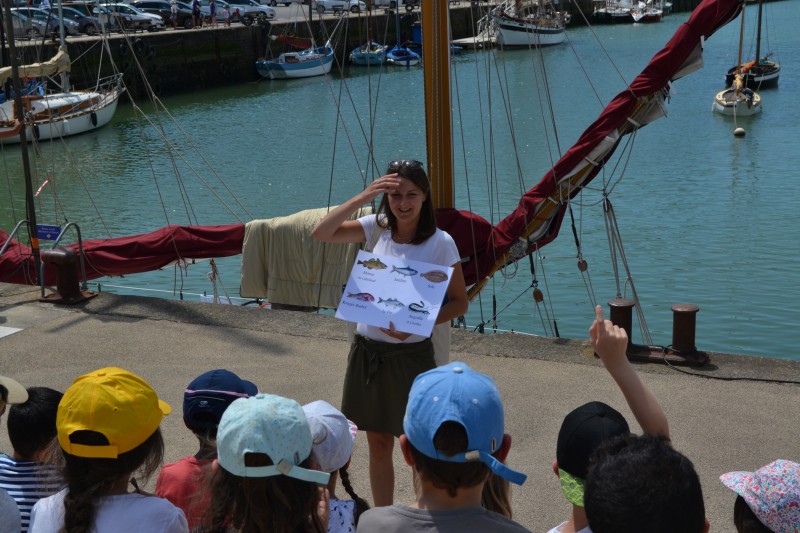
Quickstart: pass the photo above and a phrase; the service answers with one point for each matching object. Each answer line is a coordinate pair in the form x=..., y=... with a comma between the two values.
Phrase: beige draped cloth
x=59, y=63
x=283, y=263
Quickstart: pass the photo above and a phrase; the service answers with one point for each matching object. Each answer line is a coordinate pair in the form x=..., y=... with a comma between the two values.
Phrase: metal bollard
x=622, y=315
x=65, y=261
x=684, y=319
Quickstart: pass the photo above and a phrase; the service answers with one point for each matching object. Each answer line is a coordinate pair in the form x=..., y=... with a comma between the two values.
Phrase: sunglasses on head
x=404, y=164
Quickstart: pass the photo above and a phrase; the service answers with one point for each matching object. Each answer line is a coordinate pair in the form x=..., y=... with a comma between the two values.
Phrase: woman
x=379, y=371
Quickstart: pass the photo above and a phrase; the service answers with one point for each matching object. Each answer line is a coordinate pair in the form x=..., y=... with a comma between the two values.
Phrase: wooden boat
x=52, y=115
x=537, y=24
x=738, y=100
x=761, y=71
x=304, y=64
x=486, y=248
x=370, y=53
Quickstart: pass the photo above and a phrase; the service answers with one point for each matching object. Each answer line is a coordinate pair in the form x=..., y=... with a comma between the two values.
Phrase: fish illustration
x=406, y=271
x=435, y=276
x=418, y=308
x=373, y=264
x=391, y=302
x=363, y=296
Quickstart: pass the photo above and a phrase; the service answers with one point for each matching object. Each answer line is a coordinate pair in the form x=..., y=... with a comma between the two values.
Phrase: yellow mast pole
x=438, y=109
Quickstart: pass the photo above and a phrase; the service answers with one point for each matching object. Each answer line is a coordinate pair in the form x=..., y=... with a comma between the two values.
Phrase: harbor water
x=705, y=218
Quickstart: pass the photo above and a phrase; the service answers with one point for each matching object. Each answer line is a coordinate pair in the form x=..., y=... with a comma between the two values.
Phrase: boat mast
x=64, y=75
x=30, y=207
x=741, y=39
x=438, y=109
x=758, y=34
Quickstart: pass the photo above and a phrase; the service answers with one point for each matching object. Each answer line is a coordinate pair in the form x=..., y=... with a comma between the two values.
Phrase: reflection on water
x=705, y=218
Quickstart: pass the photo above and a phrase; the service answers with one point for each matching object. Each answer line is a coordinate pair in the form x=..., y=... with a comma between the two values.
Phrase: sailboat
x=537, y=24
x=400, y=55
x=55, y=114
x=739, y=99
x=311, y=61
x=485, y=248
x=760, y=72
x=369, y=53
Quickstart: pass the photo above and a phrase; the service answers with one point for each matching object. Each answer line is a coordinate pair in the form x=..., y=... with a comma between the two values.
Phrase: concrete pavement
x=720, y=425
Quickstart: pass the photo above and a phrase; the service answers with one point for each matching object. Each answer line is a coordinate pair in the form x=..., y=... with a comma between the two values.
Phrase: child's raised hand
x=608, y=341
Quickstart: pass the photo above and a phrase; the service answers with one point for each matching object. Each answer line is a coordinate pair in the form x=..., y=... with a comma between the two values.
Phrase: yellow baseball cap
x=111, y=401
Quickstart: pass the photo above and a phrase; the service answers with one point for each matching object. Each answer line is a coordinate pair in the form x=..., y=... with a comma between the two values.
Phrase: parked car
x=206, y=11
x=90, y=9
x=392, y=4
x=163, y=9
x=250, y=11
x=49, y=19
x=132, y=18
x=331, y=6
x=26, y=27
x=88, y=24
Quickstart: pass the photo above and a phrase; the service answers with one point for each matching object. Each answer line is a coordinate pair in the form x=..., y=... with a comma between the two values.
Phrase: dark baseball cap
x=209, y=394
x=582, y=431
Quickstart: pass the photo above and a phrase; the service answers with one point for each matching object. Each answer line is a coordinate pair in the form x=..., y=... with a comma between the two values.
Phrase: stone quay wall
x=181, y=61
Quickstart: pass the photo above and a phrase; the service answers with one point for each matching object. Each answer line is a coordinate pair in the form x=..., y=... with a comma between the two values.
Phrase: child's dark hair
x=277, y=504
x=361, y=503
x=450, y=439
x=745, y=519
x=89, y=479
x=640, y=483
x=32, y=424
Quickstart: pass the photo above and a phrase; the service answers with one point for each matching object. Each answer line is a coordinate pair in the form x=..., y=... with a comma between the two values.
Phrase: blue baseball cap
x=209, y=394
x=456, y=393
x=270, y=425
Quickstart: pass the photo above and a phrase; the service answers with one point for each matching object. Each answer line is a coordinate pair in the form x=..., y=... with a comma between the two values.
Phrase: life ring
x=13, y=132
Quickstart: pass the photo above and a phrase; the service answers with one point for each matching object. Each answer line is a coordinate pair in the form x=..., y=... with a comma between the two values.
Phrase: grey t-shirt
x=402, y=519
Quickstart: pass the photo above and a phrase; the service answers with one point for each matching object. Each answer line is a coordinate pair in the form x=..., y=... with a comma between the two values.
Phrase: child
x=640, y=483
x=768, y=500
x=204, y=401
x=264, y=477
x=332, y=445
x=27, y=475
x=108, y=428
x=453, y=440
x=11, y=392
x=590, y=425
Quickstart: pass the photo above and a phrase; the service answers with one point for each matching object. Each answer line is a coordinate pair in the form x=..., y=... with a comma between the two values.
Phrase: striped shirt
x=27, y=482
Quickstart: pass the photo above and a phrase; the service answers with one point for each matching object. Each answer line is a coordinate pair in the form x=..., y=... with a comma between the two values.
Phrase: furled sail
x=537, y=219
x=57, y=64
x=131, y=254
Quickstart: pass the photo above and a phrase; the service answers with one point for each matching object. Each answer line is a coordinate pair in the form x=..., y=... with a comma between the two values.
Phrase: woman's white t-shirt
x=438, y=249
x=120, y=513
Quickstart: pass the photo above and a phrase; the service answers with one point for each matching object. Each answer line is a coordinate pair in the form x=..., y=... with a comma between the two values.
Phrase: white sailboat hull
x=732, y=103
x=535, y=31
x=60, y=115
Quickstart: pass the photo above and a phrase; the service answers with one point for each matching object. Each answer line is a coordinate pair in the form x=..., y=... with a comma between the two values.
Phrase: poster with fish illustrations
x=384, y=288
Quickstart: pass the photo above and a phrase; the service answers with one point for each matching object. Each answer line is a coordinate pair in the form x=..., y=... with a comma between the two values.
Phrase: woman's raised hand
x=384, y=184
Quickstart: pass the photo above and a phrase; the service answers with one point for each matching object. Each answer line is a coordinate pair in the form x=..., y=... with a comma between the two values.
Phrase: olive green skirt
x=378, y=379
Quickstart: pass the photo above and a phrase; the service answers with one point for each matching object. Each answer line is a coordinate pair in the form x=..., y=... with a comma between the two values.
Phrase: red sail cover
x=707, y=17
x=129, y=255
